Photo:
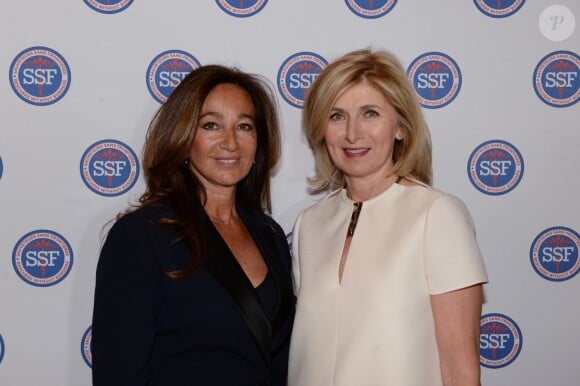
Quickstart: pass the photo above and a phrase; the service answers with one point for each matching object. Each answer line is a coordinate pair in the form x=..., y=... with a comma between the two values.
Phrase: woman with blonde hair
x=386, y=268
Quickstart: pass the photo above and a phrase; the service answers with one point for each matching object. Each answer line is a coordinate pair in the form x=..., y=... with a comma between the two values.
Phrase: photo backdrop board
x=498, y=82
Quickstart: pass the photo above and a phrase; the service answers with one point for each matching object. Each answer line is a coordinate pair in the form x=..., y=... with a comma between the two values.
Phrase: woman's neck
x=221, y=207
x=362, y=190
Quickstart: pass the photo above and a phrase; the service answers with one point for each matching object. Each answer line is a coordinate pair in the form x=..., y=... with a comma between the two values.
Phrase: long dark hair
x=168, y=145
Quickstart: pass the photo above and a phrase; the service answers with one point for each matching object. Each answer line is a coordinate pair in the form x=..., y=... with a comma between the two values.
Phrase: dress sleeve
x=125, y=305
x=295, y=256
x=451, y=254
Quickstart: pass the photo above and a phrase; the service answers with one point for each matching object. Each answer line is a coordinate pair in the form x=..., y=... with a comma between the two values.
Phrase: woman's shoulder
x=420, y=189
x=140, y=218
x=273, y=224
x=326, y=203
x=140, y=232
x=432, y=198
x=269, y=223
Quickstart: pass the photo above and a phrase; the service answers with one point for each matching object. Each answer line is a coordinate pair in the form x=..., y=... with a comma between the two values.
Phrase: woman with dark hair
x=193, y=285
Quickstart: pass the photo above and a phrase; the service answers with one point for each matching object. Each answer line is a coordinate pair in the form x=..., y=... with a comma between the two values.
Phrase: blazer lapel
x=273, y=252
x=222, y=264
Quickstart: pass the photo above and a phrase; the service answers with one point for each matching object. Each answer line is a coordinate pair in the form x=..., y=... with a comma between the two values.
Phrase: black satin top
x=268, y=294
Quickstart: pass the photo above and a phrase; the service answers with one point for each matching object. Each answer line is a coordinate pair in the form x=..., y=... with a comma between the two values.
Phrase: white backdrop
x=82, y=98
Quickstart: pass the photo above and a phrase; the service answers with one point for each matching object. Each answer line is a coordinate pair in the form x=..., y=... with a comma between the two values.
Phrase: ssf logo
x=495, y=8
x=167, y=70
x=87, y=346
x=108, y=6
x=370, y=9
x=297, y=74
x=109, y=168
x=495, y=167
x=241, y=8
x=554, y=254
x=42, y=258
x=40, y=76
x=557, y=80
x=436, y=79
x=500, y=341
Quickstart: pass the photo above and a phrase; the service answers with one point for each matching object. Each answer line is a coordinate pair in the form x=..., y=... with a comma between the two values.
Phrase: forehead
x=360, y=93
x=228, y=93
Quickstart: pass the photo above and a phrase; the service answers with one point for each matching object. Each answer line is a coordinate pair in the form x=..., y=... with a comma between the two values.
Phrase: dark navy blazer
x=151, y=330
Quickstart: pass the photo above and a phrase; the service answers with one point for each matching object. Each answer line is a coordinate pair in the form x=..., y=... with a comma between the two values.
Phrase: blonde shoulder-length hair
x=411, y=155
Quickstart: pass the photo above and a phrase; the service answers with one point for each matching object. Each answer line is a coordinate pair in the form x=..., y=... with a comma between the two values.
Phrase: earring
x=399, y=135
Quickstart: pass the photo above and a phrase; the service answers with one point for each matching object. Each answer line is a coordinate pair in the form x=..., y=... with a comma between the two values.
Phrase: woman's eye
x=371, y=113
x=210, y=126
x=245, y=127
x=336, y=116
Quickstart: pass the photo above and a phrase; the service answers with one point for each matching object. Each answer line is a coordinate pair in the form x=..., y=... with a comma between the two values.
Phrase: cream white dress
x=376, y=326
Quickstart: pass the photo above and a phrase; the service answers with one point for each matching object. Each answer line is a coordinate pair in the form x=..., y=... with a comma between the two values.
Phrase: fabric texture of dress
x=151, y=330
x=376, y=326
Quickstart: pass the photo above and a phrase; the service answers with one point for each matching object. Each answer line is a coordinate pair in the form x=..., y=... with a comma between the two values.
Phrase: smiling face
x=360, y=135
x=224, y=145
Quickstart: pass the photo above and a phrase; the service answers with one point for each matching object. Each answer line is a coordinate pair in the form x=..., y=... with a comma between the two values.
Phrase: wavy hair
x=168, y=145
x=411, y=155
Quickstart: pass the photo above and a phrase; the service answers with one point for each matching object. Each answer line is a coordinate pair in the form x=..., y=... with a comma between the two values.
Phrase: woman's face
x=360, y=135
x=224, y=145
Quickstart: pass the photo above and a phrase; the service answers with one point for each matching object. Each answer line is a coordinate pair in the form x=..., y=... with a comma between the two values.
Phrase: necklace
x=219, y=221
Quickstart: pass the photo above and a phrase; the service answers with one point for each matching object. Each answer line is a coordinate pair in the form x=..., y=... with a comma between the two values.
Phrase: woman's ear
x=399, y=134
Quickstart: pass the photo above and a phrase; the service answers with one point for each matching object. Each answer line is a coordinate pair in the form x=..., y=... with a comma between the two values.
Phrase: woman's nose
x=353, y=132
x=229, y=141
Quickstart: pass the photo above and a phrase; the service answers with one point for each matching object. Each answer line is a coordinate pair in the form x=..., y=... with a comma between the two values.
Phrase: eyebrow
x=370, y=107
x=219, y=115
x=360, y=108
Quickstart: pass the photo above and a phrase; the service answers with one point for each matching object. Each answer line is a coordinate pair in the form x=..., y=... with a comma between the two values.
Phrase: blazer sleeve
x=126, y=304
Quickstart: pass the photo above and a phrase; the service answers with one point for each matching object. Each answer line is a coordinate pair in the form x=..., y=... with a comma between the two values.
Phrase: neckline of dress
x=395, y=186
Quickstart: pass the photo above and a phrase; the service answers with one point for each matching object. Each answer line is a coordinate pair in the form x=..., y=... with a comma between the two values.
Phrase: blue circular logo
x=436, y=79
x=557, y=79
x=109, y=167
x=241, y=8
x=370, y=9
x=554, y=254
x=40, y=76
x=495, y=167
x=1, y=349
x=497, y=9
x=87, y=346
x=108, y=6
x=167, y=70
x=297, y=74
x=42, y=258
x=1, y=168
x=500, y=341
